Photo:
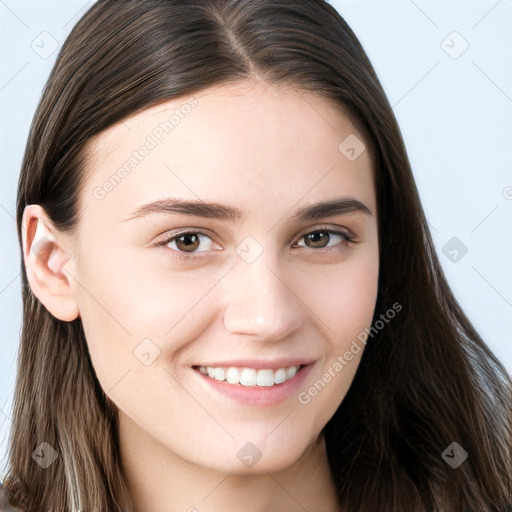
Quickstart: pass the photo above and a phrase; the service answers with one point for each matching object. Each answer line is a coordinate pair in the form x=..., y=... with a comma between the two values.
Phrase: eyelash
x=347, y=240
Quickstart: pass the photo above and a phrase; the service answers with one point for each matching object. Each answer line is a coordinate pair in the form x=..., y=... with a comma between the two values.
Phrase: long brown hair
x=427, y=380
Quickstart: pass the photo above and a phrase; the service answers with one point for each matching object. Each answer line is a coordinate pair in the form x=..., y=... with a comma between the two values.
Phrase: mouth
x=250, y=377
x=254, y=384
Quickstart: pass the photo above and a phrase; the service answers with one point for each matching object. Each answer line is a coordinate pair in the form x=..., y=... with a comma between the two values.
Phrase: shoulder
x=5, y=504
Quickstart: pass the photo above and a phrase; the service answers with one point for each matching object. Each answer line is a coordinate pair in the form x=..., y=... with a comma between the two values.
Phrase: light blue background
x=455, y=115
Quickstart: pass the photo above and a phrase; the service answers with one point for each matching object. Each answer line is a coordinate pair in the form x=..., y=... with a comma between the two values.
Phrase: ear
x=46, y=251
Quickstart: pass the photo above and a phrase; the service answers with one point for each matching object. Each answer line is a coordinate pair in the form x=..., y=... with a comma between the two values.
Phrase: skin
x=267, y=150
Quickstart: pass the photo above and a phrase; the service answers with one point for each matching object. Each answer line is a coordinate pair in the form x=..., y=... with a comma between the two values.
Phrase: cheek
x=129, y=309
x=342, y=297
x=345, y=303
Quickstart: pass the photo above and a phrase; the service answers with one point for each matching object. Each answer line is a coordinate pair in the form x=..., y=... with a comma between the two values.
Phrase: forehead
x=245, y=142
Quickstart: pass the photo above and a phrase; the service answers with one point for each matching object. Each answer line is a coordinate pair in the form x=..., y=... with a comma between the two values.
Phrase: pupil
x=188, y=244
x=317, y=237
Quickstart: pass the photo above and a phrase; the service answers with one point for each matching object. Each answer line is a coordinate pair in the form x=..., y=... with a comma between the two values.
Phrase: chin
x=256, y=457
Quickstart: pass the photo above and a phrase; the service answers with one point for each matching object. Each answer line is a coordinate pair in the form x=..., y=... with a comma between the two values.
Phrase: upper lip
x=273, y=364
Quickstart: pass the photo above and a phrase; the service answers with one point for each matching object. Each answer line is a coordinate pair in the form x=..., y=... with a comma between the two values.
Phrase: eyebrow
x=199, y=208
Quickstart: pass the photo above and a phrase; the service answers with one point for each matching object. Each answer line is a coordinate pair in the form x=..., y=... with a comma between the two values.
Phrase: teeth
x=290, y=372
x=233, y=376
x=219, y=374
x=280, y=376
x=250, y=376
x=265, y=378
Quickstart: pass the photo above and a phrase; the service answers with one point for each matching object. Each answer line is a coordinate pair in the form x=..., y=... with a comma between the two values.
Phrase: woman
x=231, y=296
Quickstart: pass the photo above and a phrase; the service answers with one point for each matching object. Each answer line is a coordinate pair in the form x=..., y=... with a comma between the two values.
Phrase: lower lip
x=259, y=395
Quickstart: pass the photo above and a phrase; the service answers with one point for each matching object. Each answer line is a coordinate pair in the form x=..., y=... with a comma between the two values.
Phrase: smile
x=260, y=386
x=263, y=377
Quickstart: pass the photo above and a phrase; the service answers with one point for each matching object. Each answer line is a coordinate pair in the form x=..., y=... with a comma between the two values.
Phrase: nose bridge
x=259, y=302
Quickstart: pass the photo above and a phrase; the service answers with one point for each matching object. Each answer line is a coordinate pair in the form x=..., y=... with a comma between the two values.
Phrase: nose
x=260, y=302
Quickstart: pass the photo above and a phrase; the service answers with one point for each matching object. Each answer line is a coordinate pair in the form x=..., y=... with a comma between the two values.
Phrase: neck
x=160, y=481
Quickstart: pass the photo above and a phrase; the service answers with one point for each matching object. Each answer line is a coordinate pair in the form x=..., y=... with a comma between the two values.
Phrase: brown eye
x=188, y=242
x=319, y=239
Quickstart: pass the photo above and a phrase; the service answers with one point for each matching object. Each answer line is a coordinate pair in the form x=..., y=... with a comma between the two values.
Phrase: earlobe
x=45, y=254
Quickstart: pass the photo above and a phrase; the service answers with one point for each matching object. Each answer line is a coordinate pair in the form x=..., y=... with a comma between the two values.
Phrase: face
x=260, y=286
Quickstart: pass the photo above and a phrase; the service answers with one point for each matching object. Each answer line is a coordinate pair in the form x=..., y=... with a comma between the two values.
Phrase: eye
x=186, y=242
x=320, y=238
